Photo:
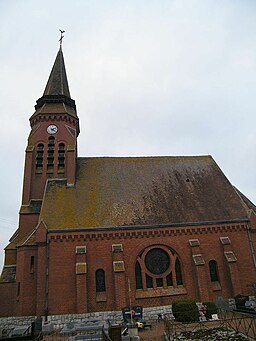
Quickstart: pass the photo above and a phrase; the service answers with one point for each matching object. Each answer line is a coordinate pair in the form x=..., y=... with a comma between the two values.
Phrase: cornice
x=71, y=235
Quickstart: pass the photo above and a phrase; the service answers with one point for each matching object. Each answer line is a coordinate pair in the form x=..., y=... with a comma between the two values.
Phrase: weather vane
x=61, y=36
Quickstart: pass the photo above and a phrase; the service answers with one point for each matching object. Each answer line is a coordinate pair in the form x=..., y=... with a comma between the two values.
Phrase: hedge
x=185, y=311
x=211, y=309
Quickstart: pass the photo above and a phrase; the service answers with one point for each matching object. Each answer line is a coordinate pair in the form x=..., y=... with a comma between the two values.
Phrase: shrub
x=185, y=311
x=211, y=309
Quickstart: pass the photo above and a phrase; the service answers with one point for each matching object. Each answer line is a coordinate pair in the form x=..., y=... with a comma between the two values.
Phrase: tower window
x=39, y=157
x=50, y=154
x=100, y=280
x=32, y=264
x=61, y=158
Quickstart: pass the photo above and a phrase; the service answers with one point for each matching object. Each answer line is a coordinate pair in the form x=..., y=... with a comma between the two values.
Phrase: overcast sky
x=165, y=77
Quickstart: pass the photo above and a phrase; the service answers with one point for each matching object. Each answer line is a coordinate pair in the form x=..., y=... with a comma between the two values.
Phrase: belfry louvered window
x=61, y=158
x=39, y=157
x=50, y=154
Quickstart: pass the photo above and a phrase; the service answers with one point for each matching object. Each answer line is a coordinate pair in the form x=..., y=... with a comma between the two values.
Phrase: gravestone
x=222, y=303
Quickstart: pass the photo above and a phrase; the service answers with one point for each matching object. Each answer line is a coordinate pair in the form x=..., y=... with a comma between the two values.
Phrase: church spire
x=58, y=83
x=57, y=90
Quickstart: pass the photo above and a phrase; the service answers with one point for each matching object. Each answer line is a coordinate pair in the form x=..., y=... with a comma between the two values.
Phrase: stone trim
x=230, y=256
x=66, y=117
x=194, y=242
x=198, y=259
x=117, y=248
x=160, y=292
x=225, y=240
x=81, y=268
x=80, y=250
x=118, y=266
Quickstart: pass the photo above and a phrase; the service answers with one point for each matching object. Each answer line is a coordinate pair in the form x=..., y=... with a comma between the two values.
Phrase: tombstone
x=222, y=303
x=232, y=303
x=38, y=325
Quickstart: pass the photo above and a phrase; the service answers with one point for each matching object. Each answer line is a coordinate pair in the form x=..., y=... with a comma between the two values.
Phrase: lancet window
x=100, y=280
x=213, y=268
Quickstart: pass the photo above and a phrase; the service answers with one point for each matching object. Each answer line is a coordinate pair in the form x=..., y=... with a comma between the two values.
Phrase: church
x=99, y=233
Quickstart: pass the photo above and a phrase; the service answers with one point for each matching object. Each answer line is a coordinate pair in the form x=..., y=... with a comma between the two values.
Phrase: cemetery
x=184, y=320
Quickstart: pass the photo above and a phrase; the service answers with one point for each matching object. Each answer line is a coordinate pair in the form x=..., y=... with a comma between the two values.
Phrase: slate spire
x=57, y=90
x=58, y=83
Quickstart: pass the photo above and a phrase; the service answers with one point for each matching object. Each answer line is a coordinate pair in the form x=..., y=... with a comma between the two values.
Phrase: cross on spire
x=61, y=37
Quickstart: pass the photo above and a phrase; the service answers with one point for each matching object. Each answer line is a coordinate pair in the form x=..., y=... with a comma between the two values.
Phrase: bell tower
x=52, y=144
x=51, y=153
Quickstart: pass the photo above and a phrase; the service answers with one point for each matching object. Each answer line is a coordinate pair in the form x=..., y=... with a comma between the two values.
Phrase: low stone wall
x=10, y=322
x=149, y=314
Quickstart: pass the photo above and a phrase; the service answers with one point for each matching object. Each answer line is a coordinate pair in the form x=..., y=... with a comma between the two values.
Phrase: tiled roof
x=124, y=191
x=249, y=205
x=8, y=274
x=28, y=240
x=33, y=207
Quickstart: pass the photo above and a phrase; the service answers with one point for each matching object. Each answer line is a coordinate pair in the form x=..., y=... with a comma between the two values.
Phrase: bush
x=185, y=311
x=211, y=309
x=240, y=300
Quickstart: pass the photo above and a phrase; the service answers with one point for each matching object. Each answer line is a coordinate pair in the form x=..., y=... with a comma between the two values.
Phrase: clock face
x=52, y=129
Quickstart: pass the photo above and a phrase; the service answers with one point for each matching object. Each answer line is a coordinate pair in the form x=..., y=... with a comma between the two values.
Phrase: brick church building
x=97, y=232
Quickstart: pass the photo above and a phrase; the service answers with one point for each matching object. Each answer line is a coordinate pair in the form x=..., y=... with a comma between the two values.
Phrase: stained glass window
x=157, y=267
x=157, y=261
x=149, y=281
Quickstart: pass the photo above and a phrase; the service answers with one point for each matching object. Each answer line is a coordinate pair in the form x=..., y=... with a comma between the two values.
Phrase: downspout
x=46, y=280
x=251, y=245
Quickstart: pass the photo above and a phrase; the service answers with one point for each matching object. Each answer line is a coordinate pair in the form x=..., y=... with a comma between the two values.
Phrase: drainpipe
x=251, y=245
x=46, y=280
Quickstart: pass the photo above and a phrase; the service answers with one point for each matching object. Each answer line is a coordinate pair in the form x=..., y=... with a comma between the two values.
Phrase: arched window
x=39, y=157
x=50, y=154
x=158, y=267
x=178, y=272
x=213, y=271
x=100, y=280
x=138, y=276
x=61, y=157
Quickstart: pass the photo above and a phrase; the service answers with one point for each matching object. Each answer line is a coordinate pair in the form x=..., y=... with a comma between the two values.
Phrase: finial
x=61, y=37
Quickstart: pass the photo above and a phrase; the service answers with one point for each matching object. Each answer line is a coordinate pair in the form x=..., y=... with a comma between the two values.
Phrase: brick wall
x=62, y=279
x=72, y=293
x=7, y=298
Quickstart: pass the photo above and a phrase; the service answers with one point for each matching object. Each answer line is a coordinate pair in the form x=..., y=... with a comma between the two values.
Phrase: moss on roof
x=122, y=191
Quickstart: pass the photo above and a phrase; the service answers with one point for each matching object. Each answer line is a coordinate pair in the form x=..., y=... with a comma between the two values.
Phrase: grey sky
x=148, y=77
